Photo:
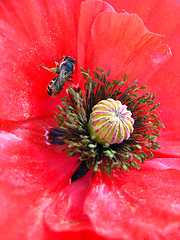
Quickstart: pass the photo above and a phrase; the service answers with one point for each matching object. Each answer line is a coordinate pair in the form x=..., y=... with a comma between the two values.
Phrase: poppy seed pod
x=110, y=122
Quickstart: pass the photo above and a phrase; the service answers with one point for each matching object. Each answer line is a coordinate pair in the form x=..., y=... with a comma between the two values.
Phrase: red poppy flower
x=36, y=199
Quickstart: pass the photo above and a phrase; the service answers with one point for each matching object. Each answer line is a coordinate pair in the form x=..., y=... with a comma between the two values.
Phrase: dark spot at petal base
x=54, y=136
x=80, y=171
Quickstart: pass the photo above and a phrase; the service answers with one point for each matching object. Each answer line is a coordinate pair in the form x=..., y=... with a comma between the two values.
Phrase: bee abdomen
x=56, y=86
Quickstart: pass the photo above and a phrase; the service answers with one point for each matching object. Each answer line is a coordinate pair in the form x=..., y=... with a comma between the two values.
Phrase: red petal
x=32, y=33
x=89, y=11
x=66, y=212
x=121, y=43
x=32, y=176
x=21, y=215
x=135, y=205
x=169, y=142
x=161, y=17
x=37, y=163
x=32, y=173
x=162, y=164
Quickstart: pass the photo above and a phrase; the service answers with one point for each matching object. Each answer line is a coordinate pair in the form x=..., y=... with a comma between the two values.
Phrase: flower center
x=106, y=126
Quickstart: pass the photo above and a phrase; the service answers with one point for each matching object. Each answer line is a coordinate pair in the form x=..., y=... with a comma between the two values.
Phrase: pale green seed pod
x=110, y=122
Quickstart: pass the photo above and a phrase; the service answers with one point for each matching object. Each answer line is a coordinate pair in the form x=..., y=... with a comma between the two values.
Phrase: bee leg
x=57, y=67
x=68, y=79
x=53, y=70
x=67, y=75
x=60, y=59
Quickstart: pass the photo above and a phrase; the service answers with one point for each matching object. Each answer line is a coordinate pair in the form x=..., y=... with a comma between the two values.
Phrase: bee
x=64, y=71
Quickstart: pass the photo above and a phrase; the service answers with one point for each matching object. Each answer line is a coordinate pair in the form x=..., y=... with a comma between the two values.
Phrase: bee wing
x=63, y=72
